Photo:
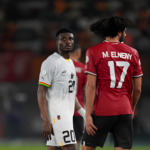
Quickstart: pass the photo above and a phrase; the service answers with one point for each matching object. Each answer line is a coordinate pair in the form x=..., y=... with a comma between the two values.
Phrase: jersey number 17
x=125, y=66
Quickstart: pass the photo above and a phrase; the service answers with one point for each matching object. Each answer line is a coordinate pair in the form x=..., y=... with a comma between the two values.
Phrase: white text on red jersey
x=117, y=55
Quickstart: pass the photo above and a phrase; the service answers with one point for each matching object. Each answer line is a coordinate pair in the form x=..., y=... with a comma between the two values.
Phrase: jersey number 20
x=69, y=134
x=125, y=66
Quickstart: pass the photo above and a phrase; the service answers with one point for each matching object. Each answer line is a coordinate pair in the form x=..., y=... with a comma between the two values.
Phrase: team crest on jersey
x=58, y=117
x=44, y=72
x=72, y=75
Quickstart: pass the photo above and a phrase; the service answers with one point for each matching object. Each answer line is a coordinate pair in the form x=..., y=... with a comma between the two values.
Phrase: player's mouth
x=68, y=47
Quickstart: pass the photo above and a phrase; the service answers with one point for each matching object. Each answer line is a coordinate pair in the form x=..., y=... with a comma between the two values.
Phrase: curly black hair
x=110, y=26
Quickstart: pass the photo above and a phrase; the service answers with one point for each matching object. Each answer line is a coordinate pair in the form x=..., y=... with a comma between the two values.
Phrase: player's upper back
x=79, y=67
x=114, y=64
x=81, y=78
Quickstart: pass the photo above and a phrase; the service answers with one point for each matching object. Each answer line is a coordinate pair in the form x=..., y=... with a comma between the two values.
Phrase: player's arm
x=90, y=96
x=42, y=102
x=79, y=108
x=137, y=82
x=136, y=92
x=90, y=93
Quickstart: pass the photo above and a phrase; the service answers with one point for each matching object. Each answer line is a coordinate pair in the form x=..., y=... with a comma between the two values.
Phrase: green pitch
x=44, y=147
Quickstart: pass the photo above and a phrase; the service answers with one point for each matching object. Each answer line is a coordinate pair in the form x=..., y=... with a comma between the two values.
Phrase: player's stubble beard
x=121, y=39
x=66, y=51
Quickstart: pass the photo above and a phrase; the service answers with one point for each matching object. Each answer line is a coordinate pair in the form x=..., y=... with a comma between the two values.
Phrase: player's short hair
x=63, y=30
x=75, y=48
x=110, y=26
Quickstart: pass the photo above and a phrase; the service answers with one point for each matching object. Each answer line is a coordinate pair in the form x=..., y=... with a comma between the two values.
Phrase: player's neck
x=65, y=55
x=114, y=39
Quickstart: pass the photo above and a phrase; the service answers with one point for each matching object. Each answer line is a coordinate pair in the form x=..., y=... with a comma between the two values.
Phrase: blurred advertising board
x=15, y=66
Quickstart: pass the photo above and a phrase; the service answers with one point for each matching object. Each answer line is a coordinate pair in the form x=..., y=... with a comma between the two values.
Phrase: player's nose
x=68, y=41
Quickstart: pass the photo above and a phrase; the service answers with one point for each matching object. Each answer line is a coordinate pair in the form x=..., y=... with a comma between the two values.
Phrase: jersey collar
x=112, y=42
x=61, y=56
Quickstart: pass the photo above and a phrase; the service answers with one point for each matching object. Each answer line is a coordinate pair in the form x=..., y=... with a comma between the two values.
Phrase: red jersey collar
x=112, y=42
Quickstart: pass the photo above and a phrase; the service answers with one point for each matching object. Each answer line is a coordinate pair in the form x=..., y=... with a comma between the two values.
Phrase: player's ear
x=119, y=34
x=124, y=32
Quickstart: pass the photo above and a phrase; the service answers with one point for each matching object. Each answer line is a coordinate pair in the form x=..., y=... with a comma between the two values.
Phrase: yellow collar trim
x=67, y=59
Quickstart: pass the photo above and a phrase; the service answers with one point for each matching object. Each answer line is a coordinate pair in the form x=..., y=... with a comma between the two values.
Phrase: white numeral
x=112, y=74
x=125, y=66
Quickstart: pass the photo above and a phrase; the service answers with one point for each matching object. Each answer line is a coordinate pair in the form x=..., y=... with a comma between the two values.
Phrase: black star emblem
x=72, y=75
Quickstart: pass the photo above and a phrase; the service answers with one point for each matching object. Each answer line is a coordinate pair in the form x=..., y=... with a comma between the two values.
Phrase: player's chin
x=68, y=50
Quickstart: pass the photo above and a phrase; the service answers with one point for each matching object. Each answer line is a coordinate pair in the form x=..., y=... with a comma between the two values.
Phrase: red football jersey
x=114, y=64
x=81, y=82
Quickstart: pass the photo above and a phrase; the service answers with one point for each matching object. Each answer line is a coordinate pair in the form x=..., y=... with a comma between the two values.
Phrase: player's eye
x=70, y=38
x=64, y=39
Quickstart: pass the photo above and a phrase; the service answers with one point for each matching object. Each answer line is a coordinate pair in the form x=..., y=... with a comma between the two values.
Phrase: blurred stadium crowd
x=27, y=37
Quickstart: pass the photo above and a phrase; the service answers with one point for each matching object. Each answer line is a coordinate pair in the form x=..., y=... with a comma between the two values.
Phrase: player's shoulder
x=98, y=47
x=71, y=61
x=133, y=50
x=79, y=67
x=51, y=59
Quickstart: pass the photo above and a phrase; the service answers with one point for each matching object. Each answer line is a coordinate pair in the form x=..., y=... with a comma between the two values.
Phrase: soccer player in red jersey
x=80, y=84
x=111, y=67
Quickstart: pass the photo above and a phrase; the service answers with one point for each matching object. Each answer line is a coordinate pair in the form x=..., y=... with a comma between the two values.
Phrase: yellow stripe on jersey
x=67, y=59
x=44, y=84
x=61, y=143
x=53, y=120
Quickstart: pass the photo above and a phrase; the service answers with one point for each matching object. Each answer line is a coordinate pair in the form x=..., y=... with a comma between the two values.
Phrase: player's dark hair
x=63, y=30
x=110, y=26
x=75, y=48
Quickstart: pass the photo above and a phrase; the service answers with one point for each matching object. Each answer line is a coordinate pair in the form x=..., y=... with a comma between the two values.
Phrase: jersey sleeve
x=46, y=74
x=137, y=72
x=90, y=67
